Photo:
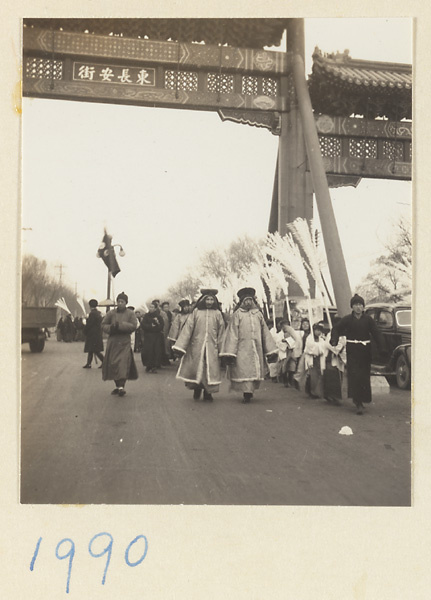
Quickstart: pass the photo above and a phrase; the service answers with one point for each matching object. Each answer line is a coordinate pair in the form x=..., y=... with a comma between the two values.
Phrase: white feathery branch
x=266, y=272
x=304, y=237
x=62, y=304
x=284, y=251
x=81, y=304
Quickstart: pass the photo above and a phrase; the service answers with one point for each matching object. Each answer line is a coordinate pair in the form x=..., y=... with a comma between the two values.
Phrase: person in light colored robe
x=247, y=346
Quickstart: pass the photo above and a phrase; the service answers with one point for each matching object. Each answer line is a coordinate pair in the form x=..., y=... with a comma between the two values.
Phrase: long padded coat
x=249, y=340
x=93, y=332
x=201, y=338
x=177, y=325
x=119, y=362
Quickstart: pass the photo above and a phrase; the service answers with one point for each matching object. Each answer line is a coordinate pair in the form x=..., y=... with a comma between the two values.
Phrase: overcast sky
x=169, y=184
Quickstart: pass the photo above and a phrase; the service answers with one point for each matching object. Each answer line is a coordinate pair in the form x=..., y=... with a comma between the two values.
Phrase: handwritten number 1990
x=66, y=549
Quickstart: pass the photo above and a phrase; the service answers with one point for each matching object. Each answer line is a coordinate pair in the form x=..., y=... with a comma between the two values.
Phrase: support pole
x=334, y=252
x=294, y=197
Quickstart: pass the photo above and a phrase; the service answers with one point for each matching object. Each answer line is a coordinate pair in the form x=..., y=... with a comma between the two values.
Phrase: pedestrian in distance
x=179, y=320
x=59, y=330
x=166, y=315
x=333, y=377
x=248, y=346
x=358, y=329
x=314, y=362
x=198, y=346
x=137, y=344
x=119, y=363
x=68, y=329
x=152, y=349
x=93, y=335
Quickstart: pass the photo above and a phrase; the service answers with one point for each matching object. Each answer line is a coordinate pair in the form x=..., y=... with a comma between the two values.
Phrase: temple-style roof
x=246, y=33
x=341, y=86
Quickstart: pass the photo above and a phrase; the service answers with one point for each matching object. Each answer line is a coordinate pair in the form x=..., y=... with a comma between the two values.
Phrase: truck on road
x=35, y=320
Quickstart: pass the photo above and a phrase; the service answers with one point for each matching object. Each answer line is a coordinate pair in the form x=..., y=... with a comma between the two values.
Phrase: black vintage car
x=394, y=322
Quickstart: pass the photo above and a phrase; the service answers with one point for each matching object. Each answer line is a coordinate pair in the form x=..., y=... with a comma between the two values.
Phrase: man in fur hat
x=93, y=334
x=198, y=346
x=119, y=363
x=358, y=329
x=246, y=345
x=179, y=320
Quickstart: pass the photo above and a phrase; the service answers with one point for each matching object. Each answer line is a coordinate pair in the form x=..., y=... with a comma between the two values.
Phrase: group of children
x=307, y=361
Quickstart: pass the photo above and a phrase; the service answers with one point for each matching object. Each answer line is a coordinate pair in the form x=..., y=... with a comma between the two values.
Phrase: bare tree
x=40, y=288
x=390, y=277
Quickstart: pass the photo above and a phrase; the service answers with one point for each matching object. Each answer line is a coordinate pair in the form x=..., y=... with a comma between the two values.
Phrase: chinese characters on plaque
x=114, y=74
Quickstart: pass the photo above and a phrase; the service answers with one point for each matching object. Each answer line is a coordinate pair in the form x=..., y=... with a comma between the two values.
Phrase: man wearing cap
x=179, y=320
x=198, y=345
x=119, y=363
x=246, y=344
x=93, y=334
x=358, y=329
x=152, y=350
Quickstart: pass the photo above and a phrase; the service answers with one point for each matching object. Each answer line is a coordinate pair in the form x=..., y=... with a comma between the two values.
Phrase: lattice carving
x=43, y=68
x=249, y=86
x=220, y=83
x=269, y=86
x=362, y=148
x=393, y=150
x=330, y=145
x=181, y=80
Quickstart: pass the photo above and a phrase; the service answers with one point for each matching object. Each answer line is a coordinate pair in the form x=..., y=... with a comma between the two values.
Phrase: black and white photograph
x=216, y=262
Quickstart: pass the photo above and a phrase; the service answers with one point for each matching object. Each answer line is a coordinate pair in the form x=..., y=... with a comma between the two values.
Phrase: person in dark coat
x=137, y=346
x=59, y=330
x=119, y=363
x=358, y=329
x=93, y=335
x=153, y=342
x=68, y=329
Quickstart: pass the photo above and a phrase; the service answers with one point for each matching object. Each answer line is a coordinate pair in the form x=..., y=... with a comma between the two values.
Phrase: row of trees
x=389, y=279
x=40, y=288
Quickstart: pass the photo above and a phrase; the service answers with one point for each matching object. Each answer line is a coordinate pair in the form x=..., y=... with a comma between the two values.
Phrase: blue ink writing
x=126, y=555
x=70, y=554
x=107, y=549
x=100, y=545
x=36, y=551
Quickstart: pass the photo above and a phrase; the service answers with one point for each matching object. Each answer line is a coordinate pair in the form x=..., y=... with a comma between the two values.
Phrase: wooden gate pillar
x=295, y=197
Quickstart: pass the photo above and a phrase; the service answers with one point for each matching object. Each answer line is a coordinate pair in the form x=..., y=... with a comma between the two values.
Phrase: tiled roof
x=246, y=33
x=341, y=85
x=363, y=72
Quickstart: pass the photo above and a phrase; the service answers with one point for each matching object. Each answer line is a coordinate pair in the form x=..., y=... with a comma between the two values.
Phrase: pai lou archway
x=158, y=62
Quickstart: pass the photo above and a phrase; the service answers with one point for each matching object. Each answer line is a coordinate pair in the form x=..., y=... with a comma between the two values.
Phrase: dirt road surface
x=156, y=445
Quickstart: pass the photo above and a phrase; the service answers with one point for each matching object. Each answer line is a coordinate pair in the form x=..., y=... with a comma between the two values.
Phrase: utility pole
x=60, y=267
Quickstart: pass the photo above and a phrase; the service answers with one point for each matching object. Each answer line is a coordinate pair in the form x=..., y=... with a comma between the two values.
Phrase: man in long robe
x=198, y=344
x=358, y=329
x=179, y=320
x=119, y=363
x=152, y=348
x=247, y=346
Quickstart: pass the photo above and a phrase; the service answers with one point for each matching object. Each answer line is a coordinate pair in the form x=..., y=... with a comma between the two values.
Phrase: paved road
x=80, y=445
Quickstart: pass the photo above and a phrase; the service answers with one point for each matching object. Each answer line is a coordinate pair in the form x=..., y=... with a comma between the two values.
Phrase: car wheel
x=37, y=345
x=402, y=372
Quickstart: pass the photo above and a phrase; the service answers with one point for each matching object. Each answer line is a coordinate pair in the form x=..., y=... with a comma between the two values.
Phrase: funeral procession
x=217, y=273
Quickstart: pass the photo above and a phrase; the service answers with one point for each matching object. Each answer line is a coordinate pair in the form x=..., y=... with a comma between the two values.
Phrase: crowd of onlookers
x=70, y=329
